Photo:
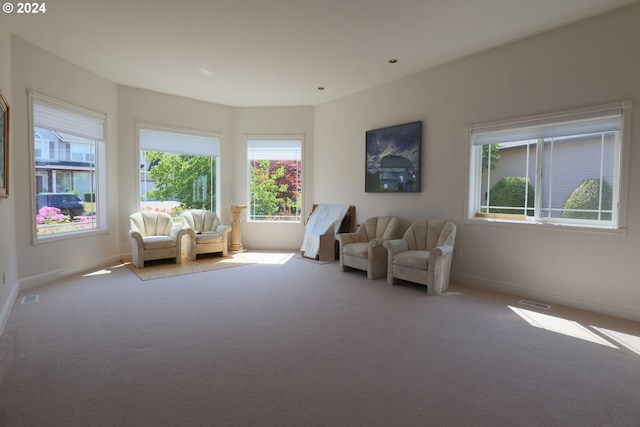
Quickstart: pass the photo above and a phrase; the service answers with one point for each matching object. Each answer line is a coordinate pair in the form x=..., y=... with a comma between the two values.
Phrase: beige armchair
x=205, y=233
x=153, y=236
x=363, y=249
x=423, y=255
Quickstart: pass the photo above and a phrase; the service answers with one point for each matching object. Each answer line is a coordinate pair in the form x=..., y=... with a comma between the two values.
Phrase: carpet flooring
x=287, y=342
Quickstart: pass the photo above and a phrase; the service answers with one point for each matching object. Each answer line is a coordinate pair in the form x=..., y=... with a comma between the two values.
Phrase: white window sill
x=546, y=225
x=69, y=235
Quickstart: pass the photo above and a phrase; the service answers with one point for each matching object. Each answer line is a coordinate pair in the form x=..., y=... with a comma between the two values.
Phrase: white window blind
x=270, y=149
x=170, y=141
x=605, y=121
x=68, y=119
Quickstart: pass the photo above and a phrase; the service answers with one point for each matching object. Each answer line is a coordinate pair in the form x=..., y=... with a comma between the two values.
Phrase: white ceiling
x=278, y=52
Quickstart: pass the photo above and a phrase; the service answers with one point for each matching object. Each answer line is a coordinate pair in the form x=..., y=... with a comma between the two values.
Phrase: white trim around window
x=173, y=139
x=77, y=151
x=284, y=148
x=556, y=156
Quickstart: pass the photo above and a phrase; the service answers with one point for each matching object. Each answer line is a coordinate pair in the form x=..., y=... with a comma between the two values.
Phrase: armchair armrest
x=223, y=229
x=177, y=233
x=137, y=248
x=379, y=241
x=396, y=246
x=135, y=235
x=440, y=265
x=441, y=251
x=346, y=238
x=393, y=246
x=188, y=231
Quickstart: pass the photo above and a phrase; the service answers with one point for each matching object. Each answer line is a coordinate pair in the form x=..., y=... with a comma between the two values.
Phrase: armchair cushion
x=159, y=242
x=359, y=249
x=412, y=259
x=209, y=237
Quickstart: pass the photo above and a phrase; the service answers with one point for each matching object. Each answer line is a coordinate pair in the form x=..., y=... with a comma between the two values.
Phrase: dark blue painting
x=393, y=159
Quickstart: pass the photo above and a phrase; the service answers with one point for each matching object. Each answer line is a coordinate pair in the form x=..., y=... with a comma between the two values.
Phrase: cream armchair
x=153, y=236
x=423, y=255
x=363, y=249
x=205, y=233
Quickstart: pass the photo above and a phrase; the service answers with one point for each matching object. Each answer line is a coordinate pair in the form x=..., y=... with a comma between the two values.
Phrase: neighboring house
x=63, y=162
x=146, y=183
x=570, y=165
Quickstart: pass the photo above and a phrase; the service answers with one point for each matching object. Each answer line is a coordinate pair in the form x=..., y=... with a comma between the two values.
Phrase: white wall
x=36, y=69
x=589, y=63
x=272, y=121
x=8, y=259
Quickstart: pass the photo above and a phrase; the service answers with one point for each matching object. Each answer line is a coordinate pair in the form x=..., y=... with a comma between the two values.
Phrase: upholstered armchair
x=363, y=249
x=153, y=236
x=205, y=234
x=423, y=255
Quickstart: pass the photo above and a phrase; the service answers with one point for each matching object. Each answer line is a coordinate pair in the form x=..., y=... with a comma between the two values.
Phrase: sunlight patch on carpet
x=104, y=271
x=167, y=268
x=97, y=273
x=270, y=257
x=632, y=342
x=560, y=325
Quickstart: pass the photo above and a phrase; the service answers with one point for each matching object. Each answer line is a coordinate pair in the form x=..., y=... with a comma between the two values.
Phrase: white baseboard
x=41, y=279
x=624, y=312
x=8, y=306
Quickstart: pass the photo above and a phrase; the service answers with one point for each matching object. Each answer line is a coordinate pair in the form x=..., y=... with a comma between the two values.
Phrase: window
x=560, y=169
x=68, y=151
x=275, y=179
x=178, y=169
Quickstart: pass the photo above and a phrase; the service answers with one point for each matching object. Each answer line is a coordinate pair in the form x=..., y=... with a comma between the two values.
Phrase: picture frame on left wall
x=4, y=146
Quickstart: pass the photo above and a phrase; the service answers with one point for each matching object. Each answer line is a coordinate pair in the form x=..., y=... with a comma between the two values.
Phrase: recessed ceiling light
x=393, y=61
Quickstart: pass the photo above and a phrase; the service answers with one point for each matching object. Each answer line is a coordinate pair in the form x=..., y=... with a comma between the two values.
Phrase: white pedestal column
x=236, y=229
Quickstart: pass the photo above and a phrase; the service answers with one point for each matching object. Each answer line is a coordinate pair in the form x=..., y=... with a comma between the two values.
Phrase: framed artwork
x=4, y=146
x=393, y=159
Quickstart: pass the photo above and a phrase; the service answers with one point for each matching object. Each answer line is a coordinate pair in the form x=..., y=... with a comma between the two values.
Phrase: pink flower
x=48, y=214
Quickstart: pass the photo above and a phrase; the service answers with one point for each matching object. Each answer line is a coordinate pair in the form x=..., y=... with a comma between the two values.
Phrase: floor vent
x=535, y=304
x=30, y=298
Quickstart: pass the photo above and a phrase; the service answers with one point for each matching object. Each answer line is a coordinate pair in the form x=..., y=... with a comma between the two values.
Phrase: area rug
x=168, y=268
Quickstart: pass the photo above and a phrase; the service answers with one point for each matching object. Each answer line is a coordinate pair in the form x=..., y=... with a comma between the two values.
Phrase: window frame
x=99, y=166
x=273, y=138
x=621, y=170
x=187, y=132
